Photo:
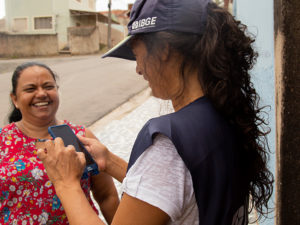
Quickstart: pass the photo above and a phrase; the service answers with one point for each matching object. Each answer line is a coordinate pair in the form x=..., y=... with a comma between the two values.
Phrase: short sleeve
x=160, y=178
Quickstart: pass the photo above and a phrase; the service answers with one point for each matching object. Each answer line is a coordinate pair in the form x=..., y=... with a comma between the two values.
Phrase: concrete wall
x=86, y=20
x=59, y=10
x=29, y=9
x=27, y=45
x=287, y=58
x=117, y=35
x=258, y=16
x=62, y=18
x=83, y=40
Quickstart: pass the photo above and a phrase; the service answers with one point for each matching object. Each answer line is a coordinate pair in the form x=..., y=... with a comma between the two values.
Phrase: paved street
x=90, y=87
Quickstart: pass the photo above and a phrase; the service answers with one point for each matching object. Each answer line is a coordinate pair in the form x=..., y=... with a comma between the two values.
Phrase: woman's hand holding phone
x=97, y=150
x=64, y=165
x=106, y=160
x=69, y=138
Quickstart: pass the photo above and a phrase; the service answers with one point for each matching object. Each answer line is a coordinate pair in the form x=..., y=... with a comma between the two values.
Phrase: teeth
x=41, y=103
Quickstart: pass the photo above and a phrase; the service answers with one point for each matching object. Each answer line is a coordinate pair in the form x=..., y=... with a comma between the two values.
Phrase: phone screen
x=69, y=138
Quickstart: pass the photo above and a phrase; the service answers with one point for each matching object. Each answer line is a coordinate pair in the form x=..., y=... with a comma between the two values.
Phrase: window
x=42, y=23
x=20, y=24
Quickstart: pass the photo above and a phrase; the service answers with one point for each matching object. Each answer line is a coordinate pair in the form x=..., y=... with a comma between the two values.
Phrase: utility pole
x=109, y=26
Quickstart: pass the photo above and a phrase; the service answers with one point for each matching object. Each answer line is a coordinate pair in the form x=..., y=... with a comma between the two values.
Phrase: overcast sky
x=101, y=5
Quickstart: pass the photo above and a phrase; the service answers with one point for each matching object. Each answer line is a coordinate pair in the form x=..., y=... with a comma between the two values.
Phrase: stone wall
x=27, y=45
x=83, y=40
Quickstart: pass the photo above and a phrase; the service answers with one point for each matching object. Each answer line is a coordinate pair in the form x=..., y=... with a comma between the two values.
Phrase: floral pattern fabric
x=27, y=196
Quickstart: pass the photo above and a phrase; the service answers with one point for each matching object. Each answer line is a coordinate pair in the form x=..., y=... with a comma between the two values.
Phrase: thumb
x=41, y=153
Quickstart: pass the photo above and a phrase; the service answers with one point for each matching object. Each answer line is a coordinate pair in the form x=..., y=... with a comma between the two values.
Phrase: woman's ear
x=14, y=100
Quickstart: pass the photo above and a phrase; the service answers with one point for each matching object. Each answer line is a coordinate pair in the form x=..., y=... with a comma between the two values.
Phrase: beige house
x=49, y=17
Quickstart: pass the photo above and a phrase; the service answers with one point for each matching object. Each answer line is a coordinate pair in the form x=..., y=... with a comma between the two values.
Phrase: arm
x=131, y=211
x=76, y=205
x=104, y=191
x=106, y=195
x=65, y=167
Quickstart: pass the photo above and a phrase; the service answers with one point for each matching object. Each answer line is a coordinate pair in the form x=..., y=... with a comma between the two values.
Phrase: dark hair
x=224, y=56
x=15, y=114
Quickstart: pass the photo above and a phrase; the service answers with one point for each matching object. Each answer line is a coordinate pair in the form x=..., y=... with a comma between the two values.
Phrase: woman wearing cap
x=200, y=164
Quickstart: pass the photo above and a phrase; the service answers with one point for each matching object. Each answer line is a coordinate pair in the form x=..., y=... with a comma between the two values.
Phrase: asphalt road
x=90, y=87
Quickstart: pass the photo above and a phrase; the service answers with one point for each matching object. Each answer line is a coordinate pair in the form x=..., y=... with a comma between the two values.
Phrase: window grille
x=42, y=23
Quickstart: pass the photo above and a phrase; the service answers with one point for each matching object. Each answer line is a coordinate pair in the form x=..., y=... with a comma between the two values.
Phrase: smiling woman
x=36, y=96
x=36, y=85
x=26, y=194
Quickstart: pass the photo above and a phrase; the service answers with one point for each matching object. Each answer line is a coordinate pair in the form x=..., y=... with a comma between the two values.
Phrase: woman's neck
x=192, y=91
x=39, y=131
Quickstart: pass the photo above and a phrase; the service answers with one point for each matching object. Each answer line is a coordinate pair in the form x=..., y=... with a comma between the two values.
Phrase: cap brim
x=121, y=50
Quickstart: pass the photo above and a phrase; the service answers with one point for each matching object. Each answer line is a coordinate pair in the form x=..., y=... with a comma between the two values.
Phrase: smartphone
x=65, y=132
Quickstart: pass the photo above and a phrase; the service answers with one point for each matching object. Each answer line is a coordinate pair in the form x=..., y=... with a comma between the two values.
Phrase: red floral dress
x=27, y=196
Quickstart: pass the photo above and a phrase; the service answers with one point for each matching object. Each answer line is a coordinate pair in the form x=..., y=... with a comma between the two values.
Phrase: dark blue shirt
x=209, y=148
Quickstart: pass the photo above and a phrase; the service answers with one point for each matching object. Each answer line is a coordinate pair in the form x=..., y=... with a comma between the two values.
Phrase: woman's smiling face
x=36, y=95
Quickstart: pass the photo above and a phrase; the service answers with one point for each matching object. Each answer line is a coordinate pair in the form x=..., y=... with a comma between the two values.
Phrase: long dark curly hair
x=224, y=55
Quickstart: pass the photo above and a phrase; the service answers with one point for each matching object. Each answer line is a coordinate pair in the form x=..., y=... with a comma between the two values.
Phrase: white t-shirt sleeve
x=160, y=178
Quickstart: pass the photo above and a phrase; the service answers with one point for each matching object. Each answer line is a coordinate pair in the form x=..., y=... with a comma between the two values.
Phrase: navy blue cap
x=149, y=16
